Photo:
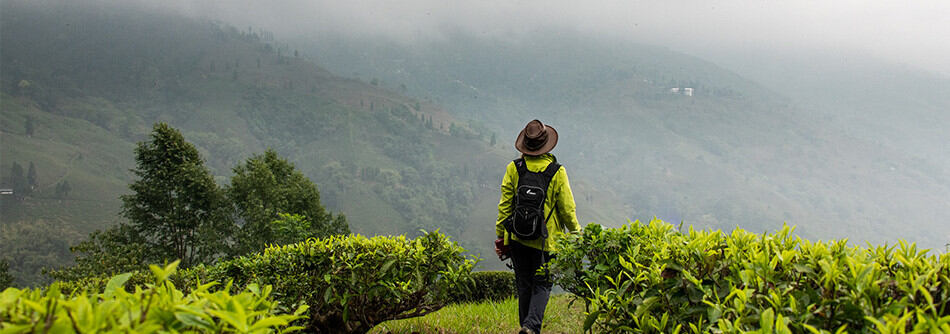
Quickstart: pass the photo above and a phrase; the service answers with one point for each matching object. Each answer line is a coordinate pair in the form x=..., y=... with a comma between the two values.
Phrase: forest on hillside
x=401, y=136
x=82, y=85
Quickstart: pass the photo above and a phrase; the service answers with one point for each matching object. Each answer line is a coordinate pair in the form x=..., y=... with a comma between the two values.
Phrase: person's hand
x=498, y=251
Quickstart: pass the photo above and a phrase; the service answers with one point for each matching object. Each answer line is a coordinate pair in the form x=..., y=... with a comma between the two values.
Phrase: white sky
x=911, y=32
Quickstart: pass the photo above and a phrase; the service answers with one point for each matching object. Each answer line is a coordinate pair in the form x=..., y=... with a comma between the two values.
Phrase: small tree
x=17, y=180
x=31, y=180
x=62, y=189
x=267, y=186
x=29, y=126
x=6, y=280
x=175, y=205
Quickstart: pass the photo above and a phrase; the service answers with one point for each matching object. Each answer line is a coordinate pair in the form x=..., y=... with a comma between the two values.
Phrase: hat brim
x=547, y=147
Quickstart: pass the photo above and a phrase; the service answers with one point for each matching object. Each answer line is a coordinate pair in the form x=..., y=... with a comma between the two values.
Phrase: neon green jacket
x=559, y=192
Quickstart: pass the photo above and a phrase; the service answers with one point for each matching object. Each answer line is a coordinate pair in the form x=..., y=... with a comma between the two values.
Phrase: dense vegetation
x=342, y=284
x=81, y=87
x=485, y=286
x=156, y=307
x=266, y=188
x=177, y=212
x=643, y=278
x=354, y=283
x=652, y=278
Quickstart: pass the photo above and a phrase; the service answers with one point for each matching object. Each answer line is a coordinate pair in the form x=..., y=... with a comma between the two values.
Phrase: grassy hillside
x=734, y=153
x=91, y=80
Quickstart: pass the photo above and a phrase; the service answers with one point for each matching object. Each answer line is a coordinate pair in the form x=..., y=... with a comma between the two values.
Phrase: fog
x=912, y=33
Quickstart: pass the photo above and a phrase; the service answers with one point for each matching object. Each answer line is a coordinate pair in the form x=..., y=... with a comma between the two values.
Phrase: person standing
x=531, y=215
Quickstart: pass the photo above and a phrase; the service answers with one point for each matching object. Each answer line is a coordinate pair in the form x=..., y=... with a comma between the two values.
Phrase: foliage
x=651, y=278
x=6, y=280
x=30, y=245
x=31, y=178
x=352, y=283
x=175, y=205
x=116, y=250
x=158, y=307
x=28, y=125
x=186, y=279
x=63, y=189
x=486, y=286
x=154, y=67
x=265, y=188
x=288, y=228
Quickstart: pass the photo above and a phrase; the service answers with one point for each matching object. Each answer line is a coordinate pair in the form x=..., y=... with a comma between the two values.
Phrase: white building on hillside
x=688, y=91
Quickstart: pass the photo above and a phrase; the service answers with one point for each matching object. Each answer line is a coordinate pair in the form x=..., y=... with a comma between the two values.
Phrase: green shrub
x=352, y=283
x=486, y=286
x=183, y=278
x=153, y=308
x=650, y=278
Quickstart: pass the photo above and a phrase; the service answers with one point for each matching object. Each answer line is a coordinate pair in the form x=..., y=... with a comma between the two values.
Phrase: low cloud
x=911, y=32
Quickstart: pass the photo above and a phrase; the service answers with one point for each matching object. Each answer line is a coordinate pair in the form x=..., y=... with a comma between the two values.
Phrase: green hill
x=407, y=144
x=736, y=153
x=91, y=81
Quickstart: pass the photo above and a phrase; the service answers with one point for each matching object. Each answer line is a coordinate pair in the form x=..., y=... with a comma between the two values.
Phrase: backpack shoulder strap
x=551, y=169
x=521, y=166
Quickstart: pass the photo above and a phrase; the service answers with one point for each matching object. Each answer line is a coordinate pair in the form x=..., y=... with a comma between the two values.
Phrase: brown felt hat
x=536, y=138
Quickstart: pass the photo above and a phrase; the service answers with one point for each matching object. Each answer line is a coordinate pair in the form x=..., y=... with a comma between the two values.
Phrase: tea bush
x=486, y=286
x=158, y=307
x=350, y=283
x=651, y=278
x=185, y=279
x=353, y=283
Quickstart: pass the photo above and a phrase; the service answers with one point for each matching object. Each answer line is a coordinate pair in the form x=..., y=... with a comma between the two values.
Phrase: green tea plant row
x=652, y=278
x=339, y=284
x=485, y=286
x=352, y=283
x=158, y=307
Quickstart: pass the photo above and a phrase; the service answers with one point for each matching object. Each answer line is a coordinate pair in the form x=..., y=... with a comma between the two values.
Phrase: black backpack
x=527, y=221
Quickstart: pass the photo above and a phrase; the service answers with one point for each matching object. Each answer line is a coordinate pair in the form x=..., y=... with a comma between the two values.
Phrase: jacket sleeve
x=507, y=193
x=567, y=209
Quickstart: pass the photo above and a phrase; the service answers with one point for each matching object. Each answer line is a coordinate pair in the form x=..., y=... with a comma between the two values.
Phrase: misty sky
x=910, y=32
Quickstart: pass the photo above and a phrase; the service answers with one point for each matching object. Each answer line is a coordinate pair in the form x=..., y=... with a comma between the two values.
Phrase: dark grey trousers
x=534, y=288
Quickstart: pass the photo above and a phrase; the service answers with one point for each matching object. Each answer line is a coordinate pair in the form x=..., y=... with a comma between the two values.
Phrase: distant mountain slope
x=894, y=105
x=88, y=81
x=734, y=153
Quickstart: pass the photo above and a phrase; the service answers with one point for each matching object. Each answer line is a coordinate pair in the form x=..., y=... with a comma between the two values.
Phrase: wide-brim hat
x=536, y=138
